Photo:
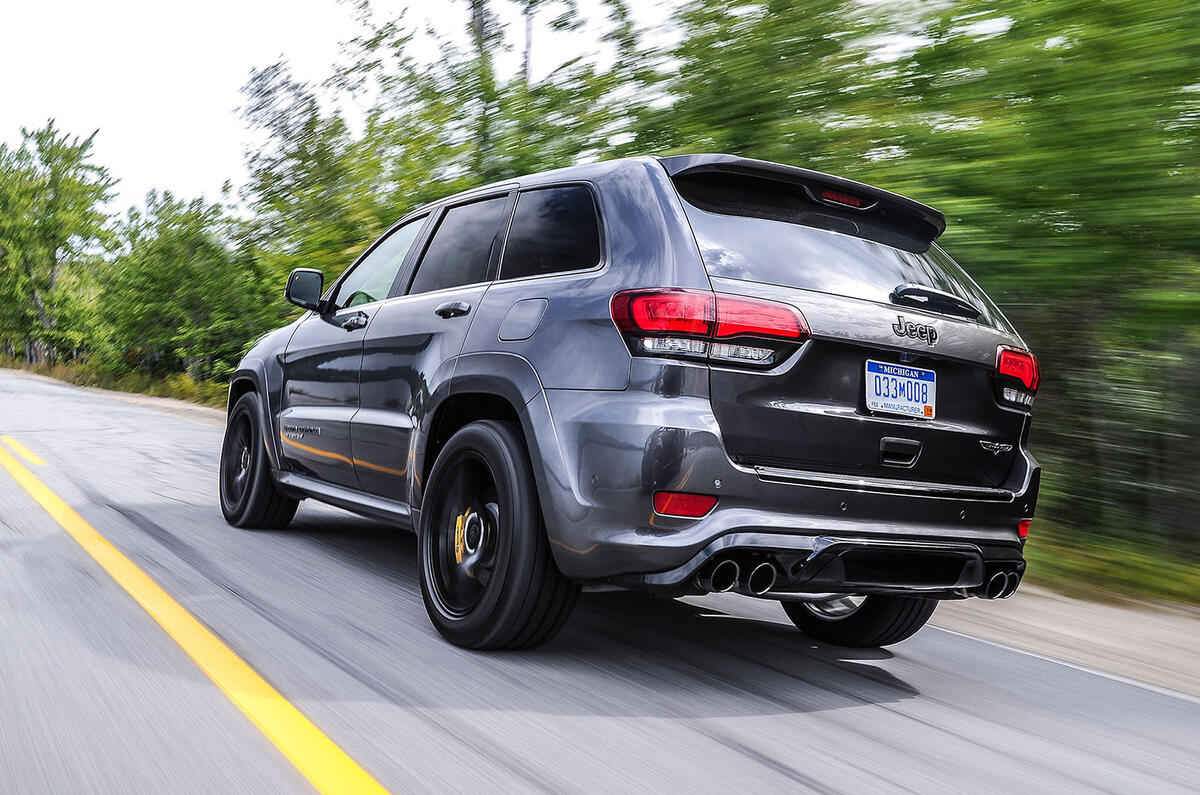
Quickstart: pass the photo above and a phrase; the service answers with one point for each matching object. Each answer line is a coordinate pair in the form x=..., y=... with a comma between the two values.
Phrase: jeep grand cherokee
x=683, y=375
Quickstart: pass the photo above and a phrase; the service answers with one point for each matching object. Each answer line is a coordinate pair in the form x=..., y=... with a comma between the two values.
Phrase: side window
x=372, y=279
x=462, y=246
x=553, y=230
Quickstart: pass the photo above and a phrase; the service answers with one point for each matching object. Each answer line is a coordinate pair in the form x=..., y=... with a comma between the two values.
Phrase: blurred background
x=1060, y=137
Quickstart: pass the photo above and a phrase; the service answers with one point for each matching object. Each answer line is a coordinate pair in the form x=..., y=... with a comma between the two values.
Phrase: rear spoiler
x=854, y=201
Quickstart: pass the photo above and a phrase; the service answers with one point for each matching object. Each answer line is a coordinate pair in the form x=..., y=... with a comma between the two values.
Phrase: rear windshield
x=794, y=255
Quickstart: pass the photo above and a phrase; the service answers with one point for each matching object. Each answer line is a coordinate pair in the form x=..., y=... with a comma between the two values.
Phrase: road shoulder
x=1155, y=644
x=180, y=408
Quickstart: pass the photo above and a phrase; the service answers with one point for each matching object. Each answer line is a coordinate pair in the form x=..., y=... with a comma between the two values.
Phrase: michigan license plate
x=900, y=389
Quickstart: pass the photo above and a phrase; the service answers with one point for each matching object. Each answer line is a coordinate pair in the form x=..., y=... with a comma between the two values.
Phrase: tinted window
x=794, y=255
x=553, y=230
x=372, y=279
x=462, y=246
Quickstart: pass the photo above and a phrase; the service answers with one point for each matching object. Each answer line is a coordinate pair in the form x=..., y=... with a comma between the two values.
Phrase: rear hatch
x=898, y=378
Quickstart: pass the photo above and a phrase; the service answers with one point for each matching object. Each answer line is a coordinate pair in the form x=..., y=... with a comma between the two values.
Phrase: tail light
x=705, y=326
x=1023, y=528
x=1017, y=376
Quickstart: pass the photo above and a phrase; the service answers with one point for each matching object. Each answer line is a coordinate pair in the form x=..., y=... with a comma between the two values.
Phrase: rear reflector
x=1023, y=528
x=695, y=324
x=678, y=503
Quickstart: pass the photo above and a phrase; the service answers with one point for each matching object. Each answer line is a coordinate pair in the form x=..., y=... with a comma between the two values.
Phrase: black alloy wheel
x=488, y=577
x=468, y=520
x=249, y=495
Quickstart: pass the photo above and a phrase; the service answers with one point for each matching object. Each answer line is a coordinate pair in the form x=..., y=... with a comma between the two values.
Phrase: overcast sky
x=160, y=79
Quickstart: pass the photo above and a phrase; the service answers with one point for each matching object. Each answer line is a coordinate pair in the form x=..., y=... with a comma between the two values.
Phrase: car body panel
x=320, y=394
x=620, y=449
x=809, y=413
x=408, y=352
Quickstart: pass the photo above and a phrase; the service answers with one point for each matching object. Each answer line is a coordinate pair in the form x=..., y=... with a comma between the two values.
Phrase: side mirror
x=304, y=286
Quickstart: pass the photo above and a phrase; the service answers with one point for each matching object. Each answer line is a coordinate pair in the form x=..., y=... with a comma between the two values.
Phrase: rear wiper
x=919, y=295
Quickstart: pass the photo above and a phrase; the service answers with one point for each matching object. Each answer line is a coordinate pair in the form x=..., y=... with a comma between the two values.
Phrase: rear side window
x=462, y=246
x=798, y=244
x=553, y=230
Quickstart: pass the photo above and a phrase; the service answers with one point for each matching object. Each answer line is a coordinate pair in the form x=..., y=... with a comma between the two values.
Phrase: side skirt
x=350, y=499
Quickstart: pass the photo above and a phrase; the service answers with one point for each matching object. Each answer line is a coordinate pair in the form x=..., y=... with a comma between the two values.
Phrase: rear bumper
x=600, y=456
x=823, y=564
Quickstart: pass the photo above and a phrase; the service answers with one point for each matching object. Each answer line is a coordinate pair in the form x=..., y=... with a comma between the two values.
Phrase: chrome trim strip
x=883, y=485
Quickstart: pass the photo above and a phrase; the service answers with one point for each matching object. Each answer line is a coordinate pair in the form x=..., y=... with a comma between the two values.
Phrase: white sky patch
x=161, y=80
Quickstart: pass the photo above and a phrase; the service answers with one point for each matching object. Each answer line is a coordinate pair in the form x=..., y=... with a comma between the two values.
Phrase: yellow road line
x=23, y=451
x=326, y=765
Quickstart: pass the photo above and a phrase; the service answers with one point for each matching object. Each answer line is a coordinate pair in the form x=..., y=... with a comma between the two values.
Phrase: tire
x=249, y=496
x=488, y=578
x=878, y=621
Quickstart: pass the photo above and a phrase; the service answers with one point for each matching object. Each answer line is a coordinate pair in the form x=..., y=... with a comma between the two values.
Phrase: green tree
x=178, y=297
x=52, y=228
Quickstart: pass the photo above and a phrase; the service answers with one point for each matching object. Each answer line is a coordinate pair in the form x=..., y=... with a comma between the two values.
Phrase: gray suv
x=682, y=375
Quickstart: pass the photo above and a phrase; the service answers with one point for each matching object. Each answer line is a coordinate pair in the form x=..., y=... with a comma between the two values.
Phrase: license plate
x=900, y=389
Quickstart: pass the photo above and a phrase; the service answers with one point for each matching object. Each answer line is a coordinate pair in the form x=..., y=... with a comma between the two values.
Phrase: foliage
x=1061, y=138
x=52, y=228
x=1123, y=568
x=176, y=296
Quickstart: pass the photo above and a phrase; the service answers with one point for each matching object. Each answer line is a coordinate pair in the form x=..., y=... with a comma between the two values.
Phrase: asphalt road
x=710, y=695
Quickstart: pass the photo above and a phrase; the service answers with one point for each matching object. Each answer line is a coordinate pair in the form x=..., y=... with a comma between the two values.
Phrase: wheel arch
x=485, y=386
x=250, y=377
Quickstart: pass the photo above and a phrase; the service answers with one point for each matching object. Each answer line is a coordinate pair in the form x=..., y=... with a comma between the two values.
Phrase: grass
x=180, y=386
x=1107, y=570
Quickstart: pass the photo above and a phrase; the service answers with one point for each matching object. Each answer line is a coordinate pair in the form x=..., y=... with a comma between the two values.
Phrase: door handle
x=355, y=321
x=452, y=309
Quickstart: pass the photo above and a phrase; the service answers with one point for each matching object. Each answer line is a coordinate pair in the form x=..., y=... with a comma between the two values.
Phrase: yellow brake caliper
x=459, y=542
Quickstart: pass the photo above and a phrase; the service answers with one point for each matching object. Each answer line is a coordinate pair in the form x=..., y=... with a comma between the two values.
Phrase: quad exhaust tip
x=1002, y=585
x=721, y=577
x=761, y=579
x=728, y=575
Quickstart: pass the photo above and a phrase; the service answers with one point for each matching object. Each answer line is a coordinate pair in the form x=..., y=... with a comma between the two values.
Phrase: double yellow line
x=326, y=765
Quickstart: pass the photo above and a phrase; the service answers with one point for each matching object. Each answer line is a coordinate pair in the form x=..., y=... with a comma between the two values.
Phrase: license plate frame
x=900, y=390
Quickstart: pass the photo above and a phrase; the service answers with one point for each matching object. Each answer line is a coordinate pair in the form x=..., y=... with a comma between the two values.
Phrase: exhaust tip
x=761, y=579
x=997, y=585
x=723, y=576
x=1010, y=585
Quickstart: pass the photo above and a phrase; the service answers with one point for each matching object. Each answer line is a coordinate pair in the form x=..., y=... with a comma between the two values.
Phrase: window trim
x=602, y=261
x=420, y=217
x=403, y=287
